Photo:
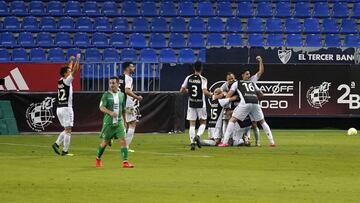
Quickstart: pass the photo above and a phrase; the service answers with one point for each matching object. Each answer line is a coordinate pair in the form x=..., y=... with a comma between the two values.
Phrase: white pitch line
x=93, y=149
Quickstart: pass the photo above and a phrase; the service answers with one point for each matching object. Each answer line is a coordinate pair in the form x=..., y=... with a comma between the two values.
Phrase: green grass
x=307, y=166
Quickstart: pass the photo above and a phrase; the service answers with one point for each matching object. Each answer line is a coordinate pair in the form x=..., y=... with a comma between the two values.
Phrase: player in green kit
x=113, y=105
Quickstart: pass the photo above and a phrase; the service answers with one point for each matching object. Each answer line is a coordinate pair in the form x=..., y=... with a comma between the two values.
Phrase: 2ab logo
x=284, y=55
x=40, y=115
x=318, y=96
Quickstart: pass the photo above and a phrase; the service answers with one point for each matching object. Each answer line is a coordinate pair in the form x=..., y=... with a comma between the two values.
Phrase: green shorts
x=109, y=132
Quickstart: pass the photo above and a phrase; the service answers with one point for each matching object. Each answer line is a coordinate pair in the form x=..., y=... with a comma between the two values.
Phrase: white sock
x=67, y=137
x=224, y=126
x=129, y=136
x=229, y=131
x=209, y=142
x=257, y=135
x=267, y=130
x=60, y=138
x=201, y=129
x=248, y=134
x=192, y=133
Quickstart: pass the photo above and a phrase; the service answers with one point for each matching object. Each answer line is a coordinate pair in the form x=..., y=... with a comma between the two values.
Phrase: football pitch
x=306, y=166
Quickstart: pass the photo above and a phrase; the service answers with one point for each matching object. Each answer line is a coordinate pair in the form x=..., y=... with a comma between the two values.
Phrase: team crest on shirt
x=318, y=96
x=40, y=115
x=284, y=55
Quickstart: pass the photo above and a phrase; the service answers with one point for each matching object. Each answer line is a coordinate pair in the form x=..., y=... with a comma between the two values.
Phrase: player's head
x=218, y=93
x=198, y=67
x=128, y=67
x=65, y=71
x=245, y=74
x=114, y=83
x=230, y=78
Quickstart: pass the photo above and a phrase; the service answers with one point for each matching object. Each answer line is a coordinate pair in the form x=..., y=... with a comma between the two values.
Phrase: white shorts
x=253, y=110
x=130, y=114
x=65, y=116
x=196, y=113
x=215, y=133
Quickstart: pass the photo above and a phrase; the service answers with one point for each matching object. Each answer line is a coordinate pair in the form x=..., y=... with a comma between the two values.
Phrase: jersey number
x=194, y=89
x=249, y=87
x=213, y=114
x=61, y=95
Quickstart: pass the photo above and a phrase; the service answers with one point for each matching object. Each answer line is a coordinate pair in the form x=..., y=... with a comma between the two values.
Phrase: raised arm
x=71, y=62
x=76, y=66
x=261, y=66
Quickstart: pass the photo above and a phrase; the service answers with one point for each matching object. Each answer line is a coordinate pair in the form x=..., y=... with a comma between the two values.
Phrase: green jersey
x=114, y=102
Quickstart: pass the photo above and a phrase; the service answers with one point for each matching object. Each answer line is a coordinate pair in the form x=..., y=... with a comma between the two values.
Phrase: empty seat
x=48, y=24
x=11, y=23
x=4, y=11
x=91, y=8
x=73, y=52
x=332, y=40
x=245, y=9
x=215, y=24
x=205, y=9
x=148, y=55
x=129, y=8
x=93, y=55
x=118, y=40
x=128, y=54
x=159, y=24
x=102, y=24
x=81, y=39
x=292, y=25
x=167, y=55
x=274, y=25
x=215, y=39
x=311, y=25
x=187, y=56
x=148, y=9
x=352, y=40
x=283, y=9
x=302, y=10
x=120, y=24
x=234, y=25
x=294, y=40
x=330, y=26
x=348, y=26
x=100, y=40
x=255, y=40
x=255, y=25
x=30, y=23
x=37, y=8
x=4, y=55
x=197, y=25
x=137, y=40
x=157, y=40
x=66, y=24
x=202, y=55
x=19, y=55
x=313, y=40
x=140, y=24
x=84, y=24
x=275, y=40
x=63, y=39
x=37, y=55
x=196, y=40
x=26, y=39
x=177, y=40
x=56, y=55
x=178, y=25
x=340, y=10
x=321, y=10
x=18, y=8
x=73, y=8
x=54, y=8
x=111, y=54
x=186, y=9
x=356, y=10
x=7, y=39
x=224, y=9
x=110, y=8
x=264, y=9
x=168, y=9
x=234, y=39
x=44, y=39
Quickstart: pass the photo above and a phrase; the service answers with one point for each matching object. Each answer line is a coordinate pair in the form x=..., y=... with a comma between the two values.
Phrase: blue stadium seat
x=137, y=40
x=245, y=9
x=110, y=8
x=92, y=55
x=187, y=56
x=73, y=52
x=274, y=25
x=120, y=24
x=7, y=39
x=11, y=23
x=215, y=39
x=264, y=9
x=128, y=54
x=215, y=24
x=311, y=25
x=81, y=39
x=321, y=10
x=157, y=40
x=205, y=9
x=148, y=55
x=37, y=55
x=4, y=55
x=234, y=39
x=197, y=25
x=25, y=39
x=4, y=11
x=255, y=40
x=18, y=8
x=196, y=40
x=340, y=10
x=330, y=26
x=167, y=55
x=159, y=24
x=255, y=25
x=84, y=24
x=48, y=24
x=292, y=25
x=186, y=9
x=118, y=40
x=140, y=24
x=66, y=24
x=302, y=10
x=202, y=55
x=283, y=9
x=111, y=54
x=234, y=25
x=348, y=26
x=56, y=55
x=129, y=8
x=275, y=40
x=356, y=10
x=313, y=40
x=44, y=39
x=63, y=39
x=332, y=40
x=177, y=40
x=54, y=8
x=102, y=24
x=178, y=25
x=37, y=8
x=149, y=9
x=352, y=40
x=30, y=24
x=293, y=40
x=100, y=40
x=91, y=8
x=224, y=9
x=168, y=9
x=73, y=8
x=19, y=55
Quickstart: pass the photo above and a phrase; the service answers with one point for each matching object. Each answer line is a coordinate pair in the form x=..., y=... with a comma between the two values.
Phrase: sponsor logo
x=14, y=81
x=284, y=55
x=318, y=96
x=40, y=115
x=275, y=89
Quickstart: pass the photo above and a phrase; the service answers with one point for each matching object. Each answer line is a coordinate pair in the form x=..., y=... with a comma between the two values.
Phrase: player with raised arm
x=113, y=106
x=64, y=109
x=196, y=87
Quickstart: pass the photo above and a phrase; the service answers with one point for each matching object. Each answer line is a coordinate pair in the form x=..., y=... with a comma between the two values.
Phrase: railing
x=95, y=75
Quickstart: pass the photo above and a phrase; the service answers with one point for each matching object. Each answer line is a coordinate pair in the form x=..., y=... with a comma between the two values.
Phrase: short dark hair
x=63, y=70
x=115, y=78
x=126, y=64
x=244, y=70
x=230, y=73
x=198, y=66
